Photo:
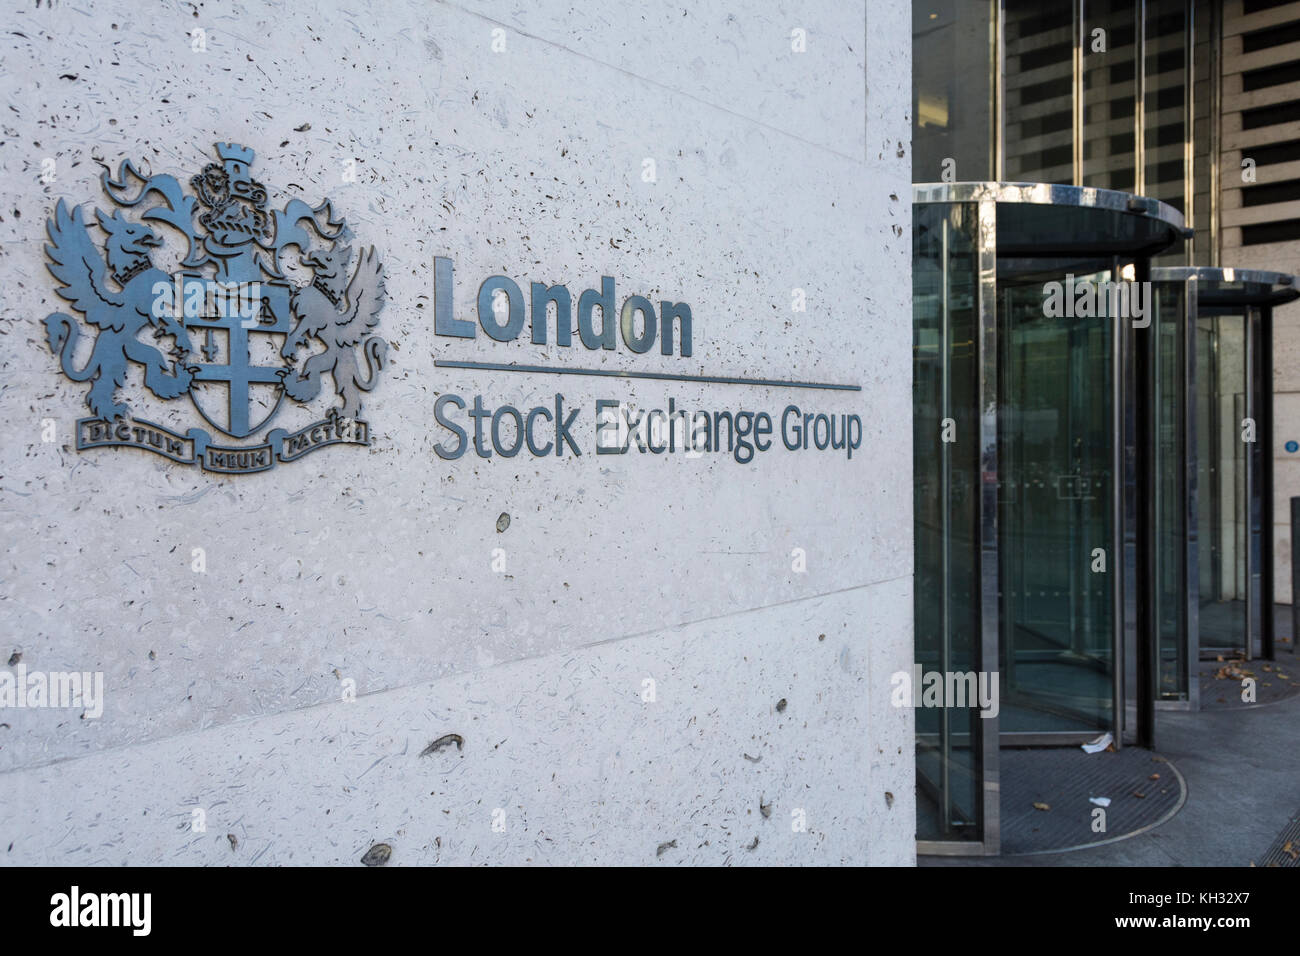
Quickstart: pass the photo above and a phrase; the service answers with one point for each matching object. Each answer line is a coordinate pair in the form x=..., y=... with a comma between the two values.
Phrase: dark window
x=1042, y=159
x=1255, y=6
x=1271, y=76
x=1268, y=193
x=1046, y=90
x=1168, y=98
x=1273, y=36
x=1171, y=61
x=1051, y=123
x=1170, y=23
x=1171, y=170
x=1271, y=115
x=1287, y=152
x=1121, y=143
x=1165, y=136
x=1047, y=56
x=1287, y=230
x=1052, y=20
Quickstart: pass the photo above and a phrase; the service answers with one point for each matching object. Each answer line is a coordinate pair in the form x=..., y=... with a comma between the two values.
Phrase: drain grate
x=1285, y=850
x=1221, y=682
x=1063, y=779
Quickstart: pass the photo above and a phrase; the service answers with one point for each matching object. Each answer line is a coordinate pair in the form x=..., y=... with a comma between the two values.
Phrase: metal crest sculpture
x=232, y=292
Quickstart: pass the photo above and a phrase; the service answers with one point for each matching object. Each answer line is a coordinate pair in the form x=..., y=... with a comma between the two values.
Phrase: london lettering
x=670, y=324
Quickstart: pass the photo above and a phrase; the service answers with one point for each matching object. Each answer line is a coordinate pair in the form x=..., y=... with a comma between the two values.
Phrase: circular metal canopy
x=1233, y=286
x=1047, y=220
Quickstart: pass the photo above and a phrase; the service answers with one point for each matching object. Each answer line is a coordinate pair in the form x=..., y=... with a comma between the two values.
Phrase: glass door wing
x=1059, y=560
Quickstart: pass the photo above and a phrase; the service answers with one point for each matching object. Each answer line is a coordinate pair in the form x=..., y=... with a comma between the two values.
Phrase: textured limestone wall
x=513, y=139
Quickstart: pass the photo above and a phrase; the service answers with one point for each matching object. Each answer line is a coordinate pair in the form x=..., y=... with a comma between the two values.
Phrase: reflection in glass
x=1223, y=499
x=1039, y=85
x=946, y=501
x=1169, y=493
x=1055, y=507
x=984, y=109
x=1109, y=94
x=952, y=91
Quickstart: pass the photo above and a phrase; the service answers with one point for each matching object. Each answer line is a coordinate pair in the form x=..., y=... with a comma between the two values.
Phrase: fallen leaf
x=446, y=740
x=377, y=855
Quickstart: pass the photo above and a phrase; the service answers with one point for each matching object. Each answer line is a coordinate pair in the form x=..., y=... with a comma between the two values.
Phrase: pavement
x=1242, y=768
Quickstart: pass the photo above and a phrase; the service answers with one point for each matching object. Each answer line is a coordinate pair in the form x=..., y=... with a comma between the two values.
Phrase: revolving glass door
x=1214, y=563
x=1024, y=500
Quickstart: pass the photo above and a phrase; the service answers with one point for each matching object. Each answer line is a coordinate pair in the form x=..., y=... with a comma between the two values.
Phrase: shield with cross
x=237, y=384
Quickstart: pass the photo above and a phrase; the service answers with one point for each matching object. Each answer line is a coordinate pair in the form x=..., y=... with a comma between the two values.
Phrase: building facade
x=1259, y=207
x=1117, y=508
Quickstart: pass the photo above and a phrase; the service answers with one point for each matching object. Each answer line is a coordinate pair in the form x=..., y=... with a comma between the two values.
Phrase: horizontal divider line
x=660, y=376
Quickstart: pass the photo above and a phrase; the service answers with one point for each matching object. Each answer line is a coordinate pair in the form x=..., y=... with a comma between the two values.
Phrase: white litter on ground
x=1100, y=744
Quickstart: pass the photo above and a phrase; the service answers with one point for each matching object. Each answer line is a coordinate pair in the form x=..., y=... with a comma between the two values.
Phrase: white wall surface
x=775, y=170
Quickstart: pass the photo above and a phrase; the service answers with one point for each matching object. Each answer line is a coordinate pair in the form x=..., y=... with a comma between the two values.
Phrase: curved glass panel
x=1171, y=451
x=1056, y=503
x=1222, y=480
x=946, y=476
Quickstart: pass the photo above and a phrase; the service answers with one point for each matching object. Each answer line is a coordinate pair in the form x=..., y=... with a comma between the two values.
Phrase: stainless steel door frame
x=989, y=809
x=990, y=605
x=1191, y=574
x=1188, y=572
x=1126, y=515
x=1251, y=496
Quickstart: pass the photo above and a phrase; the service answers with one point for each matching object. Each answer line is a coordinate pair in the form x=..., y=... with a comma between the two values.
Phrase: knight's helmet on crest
x=236, y=202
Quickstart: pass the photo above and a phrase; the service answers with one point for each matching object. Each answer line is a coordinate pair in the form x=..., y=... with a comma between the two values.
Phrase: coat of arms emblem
x=244, y=335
